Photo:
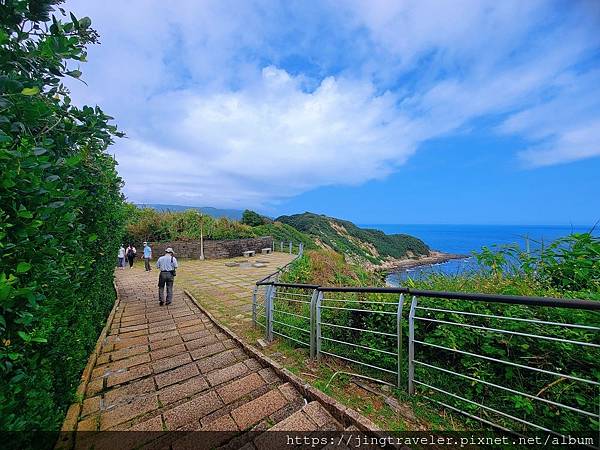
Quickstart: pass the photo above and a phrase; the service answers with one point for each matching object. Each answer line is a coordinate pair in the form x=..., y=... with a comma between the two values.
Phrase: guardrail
x=510, y=362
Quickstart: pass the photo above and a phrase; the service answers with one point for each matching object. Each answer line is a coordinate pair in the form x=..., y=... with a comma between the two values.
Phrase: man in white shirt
x=167, y=265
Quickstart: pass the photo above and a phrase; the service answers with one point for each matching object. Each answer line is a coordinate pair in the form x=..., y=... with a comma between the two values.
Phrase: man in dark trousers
x=167, y=265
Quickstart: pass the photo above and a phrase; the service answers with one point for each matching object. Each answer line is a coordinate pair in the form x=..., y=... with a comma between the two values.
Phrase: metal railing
x=469, y=353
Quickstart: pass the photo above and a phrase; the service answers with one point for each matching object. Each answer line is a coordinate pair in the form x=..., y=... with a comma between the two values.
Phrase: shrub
x=60, y=217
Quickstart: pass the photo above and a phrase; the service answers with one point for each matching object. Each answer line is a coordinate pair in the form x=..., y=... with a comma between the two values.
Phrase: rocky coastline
x=434, y=257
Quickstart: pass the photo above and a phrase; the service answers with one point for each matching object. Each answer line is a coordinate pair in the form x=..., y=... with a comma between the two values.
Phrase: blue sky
x=379, y=112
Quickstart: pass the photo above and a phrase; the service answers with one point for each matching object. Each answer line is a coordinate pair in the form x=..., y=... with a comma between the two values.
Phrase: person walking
x=147, y=256
x=167, y=265
x=122, y=257
x=131, y=253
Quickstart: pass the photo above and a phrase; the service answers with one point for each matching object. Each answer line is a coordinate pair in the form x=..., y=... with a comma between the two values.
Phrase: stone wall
x=212, y=249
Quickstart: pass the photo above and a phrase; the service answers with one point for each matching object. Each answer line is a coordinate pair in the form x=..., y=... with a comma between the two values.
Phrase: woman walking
x=121, y=258
x=131, y=253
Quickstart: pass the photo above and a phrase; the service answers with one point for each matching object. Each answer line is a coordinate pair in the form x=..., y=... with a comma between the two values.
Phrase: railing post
x=399, y=342
x=300, y=249
x=281, y=245
x=254, y=293
x=318, y=324
x=273, y=246
x=313, y=330
x=290, y=247
x=411, y=346
x=271, y=308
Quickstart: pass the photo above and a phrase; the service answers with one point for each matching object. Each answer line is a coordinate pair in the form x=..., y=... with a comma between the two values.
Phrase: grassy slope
x=345, y=237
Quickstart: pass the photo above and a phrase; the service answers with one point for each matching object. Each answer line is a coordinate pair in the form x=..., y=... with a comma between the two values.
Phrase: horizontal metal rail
x=489, y=358
x=359, y=346
x=291, y=314
x=488, y=408
x=382, y=333
x=279, y=297
x=290, y=338
x=516, y=333
x=360, y=301
x=492, y=298
x=518, y=319
x=360, y=310
x=504, y=388
x=358, y=362
x=290, y=326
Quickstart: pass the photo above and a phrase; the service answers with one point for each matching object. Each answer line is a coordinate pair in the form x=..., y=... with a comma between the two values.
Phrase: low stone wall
x=212, y=249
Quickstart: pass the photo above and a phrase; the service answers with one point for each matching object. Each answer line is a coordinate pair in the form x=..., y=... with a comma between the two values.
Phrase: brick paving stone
x=207, y=350
x=89, y=424
x=168, y=351
x=268, y=375
x=192, y=411
x=289, y=392
x=162, y=336
x=128, y=352
x=131, y=343
x=128, y=411
x=154, y=424
x=128, y=375
x=203, y=341
x=253, y=364
x=239, y=388
x=120, y=364
x=133, y=334
x=132, y=328
x=162, y=328
x=176, y=375
x=318, y=414
x=256, y=410
x=179, y=391
x=90, y=405
x=170, y=363
x=128, y=392
x=217, y=361
x=220, y=376
x=223, y=423
x=166, y=343
x=94, y=386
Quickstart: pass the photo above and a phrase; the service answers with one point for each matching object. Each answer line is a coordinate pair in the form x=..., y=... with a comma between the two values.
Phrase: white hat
x=144, y=242
x=169, y=250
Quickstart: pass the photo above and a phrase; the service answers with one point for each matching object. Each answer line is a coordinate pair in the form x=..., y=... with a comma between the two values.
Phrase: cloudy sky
x=375, y=111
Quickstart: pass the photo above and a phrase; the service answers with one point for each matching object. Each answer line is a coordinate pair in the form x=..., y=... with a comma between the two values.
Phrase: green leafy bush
x=60, y=216
x=252, y=218
x=147, y=224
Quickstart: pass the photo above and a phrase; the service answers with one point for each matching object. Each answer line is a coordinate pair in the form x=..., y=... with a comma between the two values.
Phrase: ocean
x=465, y=239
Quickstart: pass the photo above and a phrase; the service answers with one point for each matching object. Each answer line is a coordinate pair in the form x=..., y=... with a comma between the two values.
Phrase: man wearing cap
x=167, y=265
x=147, y=256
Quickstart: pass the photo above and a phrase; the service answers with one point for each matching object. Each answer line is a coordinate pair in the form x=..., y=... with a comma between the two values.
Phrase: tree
x=60, y=214
x=253, y=219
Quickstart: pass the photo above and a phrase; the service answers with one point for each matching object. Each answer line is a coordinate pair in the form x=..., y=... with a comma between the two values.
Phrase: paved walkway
x=227, y=291
x=169, y=368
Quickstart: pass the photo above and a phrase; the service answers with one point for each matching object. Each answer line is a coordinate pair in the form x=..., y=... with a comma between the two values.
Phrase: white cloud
x=246, y=103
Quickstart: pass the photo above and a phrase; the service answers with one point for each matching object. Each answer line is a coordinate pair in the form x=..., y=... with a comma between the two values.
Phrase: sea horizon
x=466, y=239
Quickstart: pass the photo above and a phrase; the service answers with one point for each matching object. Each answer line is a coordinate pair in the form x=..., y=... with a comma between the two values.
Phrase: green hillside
x=357, y=243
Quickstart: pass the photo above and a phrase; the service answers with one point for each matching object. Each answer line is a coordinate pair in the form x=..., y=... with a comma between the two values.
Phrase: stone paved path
x=227, y=291
x=169, y=368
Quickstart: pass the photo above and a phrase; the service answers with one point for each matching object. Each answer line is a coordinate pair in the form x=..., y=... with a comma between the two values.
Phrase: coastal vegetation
x=359, y=245
x=356, y=245
x=60, y=215
x=568, y=268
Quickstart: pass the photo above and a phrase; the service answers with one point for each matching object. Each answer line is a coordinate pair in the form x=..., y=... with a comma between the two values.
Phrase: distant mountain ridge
x=362, y=245
x=235, y=214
